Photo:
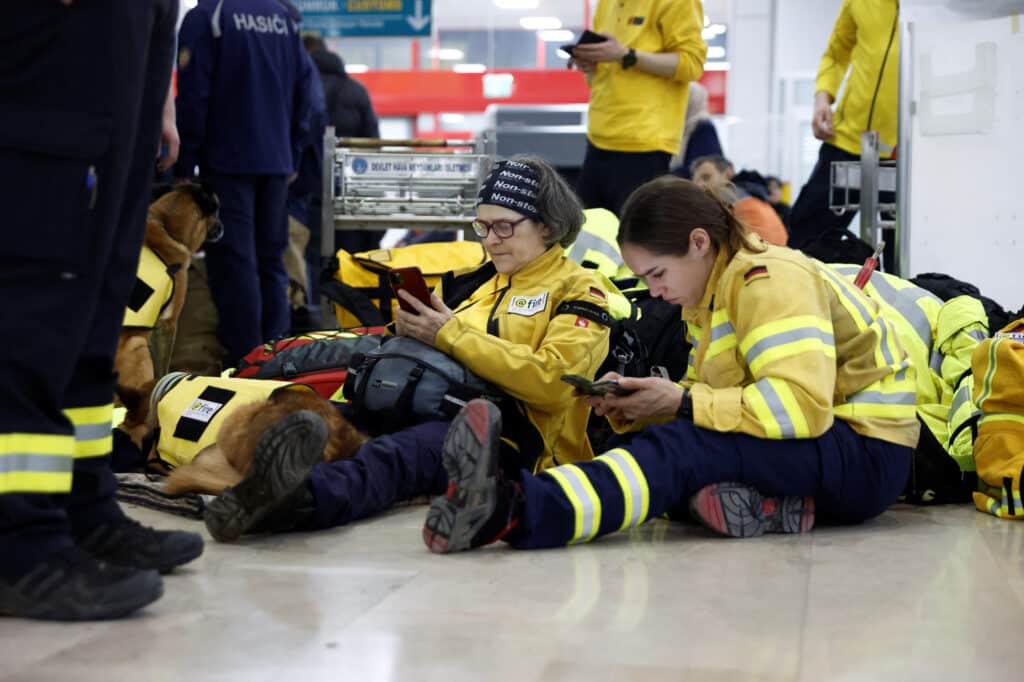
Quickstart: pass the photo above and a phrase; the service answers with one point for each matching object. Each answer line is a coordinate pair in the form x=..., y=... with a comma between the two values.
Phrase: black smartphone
x=586, y=37
x=588, y=387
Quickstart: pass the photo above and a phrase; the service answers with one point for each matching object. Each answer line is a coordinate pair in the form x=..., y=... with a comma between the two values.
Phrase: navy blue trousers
x=607, y=178
x=81, y=93
x=811, y=215
x=388, y=469
x=248, y=280
x=851, y=478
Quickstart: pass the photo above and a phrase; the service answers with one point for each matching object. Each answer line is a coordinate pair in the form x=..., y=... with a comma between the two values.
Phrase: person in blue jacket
x=304, y=204
x=244, y=118
x=83, y=106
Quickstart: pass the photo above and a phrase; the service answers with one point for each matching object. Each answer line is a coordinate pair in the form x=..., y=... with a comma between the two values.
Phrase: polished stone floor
x=919, y=594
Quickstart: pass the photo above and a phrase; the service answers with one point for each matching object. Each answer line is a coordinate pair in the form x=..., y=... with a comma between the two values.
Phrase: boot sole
x=737, y=510
x=284, y=456
x=470, y=458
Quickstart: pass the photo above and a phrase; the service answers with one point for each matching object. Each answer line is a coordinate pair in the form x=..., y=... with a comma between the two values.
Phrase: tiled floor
x=919, y=594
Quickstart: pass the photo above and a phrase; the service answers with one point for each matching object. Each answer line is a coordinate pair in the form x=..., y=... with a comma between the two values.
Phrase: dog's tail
x=210, y=473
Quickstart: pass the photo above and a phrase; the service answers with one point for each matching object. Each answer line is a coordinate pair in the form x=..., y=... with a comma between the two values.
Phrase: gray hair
x=559, y=208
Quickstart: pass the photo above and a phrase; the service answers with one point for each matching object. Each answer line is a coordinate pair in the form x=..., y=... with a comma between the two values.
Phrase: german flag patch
x=755, y=273
x=597, y=293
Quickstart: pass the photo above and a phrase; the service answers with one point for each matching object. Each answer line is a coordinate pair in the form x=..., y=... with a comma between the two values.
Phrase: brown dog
x=226, y=463
x=177, y=225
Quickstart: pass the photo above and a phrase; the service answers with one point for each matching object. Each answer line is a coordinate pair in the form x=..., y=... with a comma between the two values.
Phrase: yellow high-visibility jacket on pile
x=783, y=345
x=154, y=288
x=191, y=409
x=520, y=333
x=939, y=339
x=866, y=37
x=998, y=367
x=597, y=245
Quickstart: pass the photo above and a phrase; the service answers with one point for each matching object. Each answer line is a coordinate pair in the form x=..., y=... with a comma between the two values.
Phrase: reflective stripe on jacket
x=998, y=368
x=784, y=344
x=596, y=246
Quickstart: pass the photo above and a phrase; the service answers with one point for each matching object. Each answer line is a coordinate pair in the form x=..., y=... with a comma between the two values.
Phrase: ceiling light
x=717, y=66
x=449, y=53
x=517, y=4
x=453, y=119
x=469, y=68
x=356, y=68
x=556, y=36
x=540, y=23
x=716, y=52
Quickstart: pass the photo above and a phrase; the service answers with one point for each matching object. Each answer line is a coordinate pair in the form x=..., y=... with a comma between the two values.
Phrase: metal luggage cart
x=868, y=185
x=375, y=184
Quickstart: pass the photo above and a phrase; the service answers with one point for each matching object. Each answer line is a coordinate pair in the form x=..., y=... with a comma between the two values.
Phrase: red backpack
x=318, y=359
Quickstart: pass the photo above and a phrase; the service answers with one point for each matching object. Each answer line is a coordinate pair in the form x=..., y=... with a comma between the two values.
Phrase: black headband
x=513, y=185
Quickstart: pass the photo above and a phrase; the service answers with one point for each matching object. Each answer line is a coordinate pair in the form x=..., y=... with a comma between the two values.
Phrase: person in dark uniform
x=350, y=111
x=79, y=128
x=243, y=117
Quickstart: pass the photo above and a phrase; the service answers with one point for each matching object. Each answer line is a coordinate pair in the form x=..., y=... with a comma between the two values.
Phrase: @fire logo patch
x=528, y=306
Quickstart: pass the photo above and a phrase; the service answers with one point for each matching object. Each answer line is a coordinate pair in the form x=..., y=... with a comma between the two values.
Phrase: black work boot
x=125, y=542
x=73, y=585
x=479, y=506
x=275, y=486
x=740, y=511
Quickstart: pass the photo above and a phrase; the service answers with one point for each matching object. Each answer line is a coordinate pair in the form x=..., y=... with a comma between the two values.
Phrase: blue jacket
x=242, y=106
x=310, y=165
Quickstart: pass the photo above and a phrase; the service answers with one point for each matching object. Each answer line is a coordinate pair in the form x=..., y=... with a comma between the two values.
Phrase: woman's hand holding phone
x=425, y=321
x=647, y=398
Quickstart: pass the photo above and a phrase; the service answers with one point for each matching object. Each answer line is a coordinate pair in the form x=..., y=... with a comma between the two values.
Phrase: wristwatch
x=629, y=59
x=685, y=410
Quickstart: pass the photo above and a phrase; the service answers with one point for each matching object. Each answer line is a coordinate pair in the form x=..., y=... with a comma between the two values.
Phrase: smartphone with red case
x=410, y=279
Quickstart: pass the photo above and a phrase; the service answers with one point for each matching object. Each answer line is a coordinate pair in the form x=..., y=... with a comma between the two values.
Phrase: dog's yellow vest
x=154, y=288
x=192, y=411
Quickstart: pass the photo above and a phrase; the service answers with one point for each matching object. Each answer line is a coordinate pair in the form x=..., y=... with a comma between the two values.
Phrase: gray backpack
x=405, y=382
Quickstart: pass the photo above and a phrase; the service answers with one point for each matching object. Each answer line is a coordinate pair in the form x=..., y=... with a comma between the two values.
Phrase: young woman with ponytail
x=798, y=402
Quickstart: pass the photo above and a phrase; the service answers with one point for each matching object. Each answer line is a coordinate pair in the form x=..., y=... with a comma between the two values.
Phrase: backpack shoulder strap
x=457, y=288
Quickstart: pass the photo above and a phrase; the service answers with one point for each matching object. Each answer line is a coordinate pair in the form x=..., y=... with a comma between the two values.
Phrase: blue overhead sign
x=366, y=17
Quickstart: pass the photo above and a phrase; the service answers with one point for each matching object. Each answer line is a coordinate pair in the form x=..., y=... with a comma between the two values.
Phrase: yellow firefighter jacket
x=998, y=368
x=866, y=38
x=154, y=288
x=782, y=345
x=597, y=245
x=521, y=333
x=939, y=339
x=634, y=111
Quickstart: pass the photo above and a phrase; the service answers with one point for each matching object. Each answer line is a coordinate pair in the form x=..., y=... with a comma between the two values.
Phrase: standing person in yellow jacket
x=865, y=43
x=531, y=317
x=800, y=400
x=639, y=78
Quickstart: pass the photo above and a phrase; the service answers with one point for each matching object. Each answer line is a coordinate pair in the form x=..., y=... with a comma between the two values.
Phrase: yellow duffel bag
x=359, y=288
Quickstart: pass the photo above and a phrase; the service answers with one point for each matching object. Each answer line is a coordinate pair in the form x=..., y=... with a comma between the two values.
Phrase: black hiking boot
x=73, y=585
x=126, y=542
x=275, y=488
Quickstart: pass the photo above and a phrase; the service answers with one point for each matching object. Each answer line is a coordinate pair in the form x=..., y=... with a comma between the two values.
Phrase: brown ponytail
x=660, y=215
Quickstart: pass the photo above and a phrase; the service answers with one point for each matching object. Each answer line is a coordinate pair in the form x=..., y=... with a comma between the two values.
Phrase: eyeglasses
x=503, y=229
